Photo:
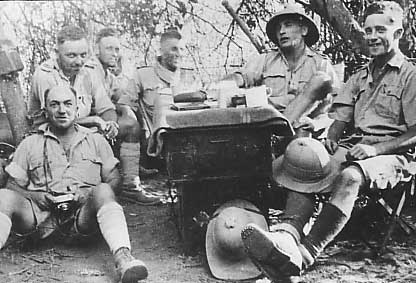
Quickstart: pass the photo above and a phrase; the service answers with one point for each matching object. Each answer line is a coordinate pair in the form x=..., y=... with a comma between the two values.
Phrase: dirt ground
x=155, y=240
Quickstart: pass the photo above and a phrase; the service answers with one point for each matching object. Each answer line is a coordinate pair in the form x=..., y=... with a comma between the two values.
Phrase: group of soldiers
x=64, y=176
x=78, y=104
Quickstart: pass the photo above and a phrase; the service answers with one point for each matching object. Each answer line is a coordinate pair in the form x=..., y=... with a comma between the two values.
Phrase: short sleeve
x=18, y=168
x=344, y=102
x=348, y=92
x=129, y=93
x=106, y=155
x=409, y=99
x=36, y=99
x=336, y=80
x=252, y=72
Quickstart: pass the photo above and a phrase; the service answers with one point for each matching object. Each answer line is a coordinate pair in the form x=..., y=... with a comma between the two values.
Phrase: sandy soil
x=155, y=240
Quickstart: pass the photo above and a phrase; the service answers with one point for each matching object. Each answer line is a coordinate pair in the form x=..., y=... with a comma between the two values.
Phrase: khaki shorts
x=50, y=221
x=385, y=171
x=380, y=172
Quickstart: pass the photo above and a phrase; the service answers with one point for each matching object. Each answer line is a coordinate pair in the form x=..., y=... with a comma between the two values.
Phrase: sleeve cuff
x=109, y=164
x=17, y=173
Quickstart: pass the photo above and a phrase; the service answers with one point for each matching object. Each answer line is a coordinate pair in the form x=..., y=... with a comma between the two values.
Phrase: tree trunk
x=12, y=96
x=343, y=22
x=10, y=89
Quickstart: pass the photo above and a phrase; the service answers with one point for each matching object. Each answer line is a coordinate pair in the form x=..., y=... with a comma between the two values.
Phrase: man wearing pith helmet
x=377, y=104
x=297, y=75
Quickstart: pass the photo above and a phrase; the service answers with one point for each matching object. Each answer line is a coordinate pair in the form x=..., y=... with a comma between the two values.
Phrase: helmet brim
x=311, y=37
x=281, y=176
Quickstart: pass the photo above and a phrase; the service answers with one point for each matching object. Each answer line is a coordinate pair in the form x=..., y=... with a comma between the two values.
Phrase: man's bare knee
x=348, y=183
x=10, y=201
x=130, y=129
x=102, y=194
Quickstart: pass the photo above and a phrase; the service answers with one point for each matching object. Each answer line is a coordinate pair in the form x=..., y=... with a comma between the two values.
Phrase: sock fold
x=130, y=162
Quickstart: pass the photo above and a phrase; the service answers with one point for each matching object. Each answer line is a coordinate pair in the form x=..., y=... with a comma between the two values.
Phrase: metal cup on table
x=227, y=89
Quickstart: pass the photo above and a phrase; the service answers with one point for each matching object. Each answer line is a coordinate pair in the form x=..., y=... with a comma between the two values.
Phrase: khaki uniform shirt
x=92, y=97
x=96, y=70
x=271, y=69
x=386, y=107
x=115, y=86
x=89, y=159
x=149, y=83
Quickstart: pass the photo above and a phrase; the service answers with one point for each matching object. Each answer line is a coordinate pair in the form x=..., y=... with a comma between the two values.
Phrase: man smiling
x=66, y=68
x=95, y=108
x=152, y=80
x=378, y=102
x=63, y=179
x=107, y=55
x=297, y=76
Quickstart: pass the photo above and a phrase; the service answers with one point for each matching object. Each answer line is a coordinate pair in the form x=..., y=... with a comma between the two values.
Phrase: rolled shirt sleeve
x=41, y=81
x=336, y=80
x=252, y=72
x=109, y=162
x=344, y=102
x=18, y=168
x=129, y=95
x=409, y=100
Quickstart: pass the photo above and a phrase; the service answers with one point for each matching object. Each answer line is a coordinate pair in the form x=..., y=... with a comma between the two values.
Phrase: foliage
x=215, y=44
x=256, y=13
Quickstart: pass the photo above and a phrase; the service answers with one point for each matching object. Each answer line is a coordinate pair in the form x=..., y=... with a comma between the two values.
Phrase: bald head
x=60, y=106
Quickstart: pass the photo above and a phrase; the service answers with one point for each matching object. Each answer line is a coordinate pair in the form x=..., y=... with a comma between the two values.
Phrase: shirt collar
x=81, y=132
x=165, y=74
x=54, y=65
x=395, y=62
x=309, y=52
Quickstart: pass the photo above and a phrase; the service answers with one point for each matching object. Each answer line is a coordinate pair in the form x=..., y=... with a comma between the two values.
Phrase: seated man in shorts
x=379, y=102
x=64, y=177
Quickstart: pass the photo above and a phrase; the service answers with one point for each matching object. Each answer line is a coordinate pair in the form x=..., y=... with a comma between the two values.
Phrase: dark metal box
x=217, y=153
x=215, y=162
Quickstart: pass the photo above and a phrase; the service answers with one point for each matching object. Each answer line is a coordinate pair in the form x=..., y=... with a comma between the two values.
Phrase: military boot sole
x=269, y=258
x=133, y=272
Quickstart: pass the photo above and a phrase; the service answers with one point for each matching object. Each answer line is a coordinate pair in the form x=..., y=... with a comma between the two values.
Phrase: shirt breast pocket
x=37, y=169
x=150, y=93
x=89, y=169
x=276, y=81
x=388, y=102
x=304, y=78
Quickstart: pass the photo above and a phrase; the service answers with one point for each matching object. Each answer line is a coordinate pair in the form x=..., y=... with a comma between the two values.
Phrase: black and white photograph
x=208, y=141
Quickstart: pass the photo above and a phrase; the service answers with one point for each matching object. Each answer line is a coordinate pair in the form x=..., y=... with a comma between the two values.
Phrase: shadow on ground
x=155, y=240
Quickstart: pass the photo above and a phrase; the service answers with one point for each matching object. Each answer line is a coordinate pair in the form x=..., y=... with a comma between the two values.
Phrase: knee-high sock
x=329, y=223
x=298, y=210
x=113, y=226
x=130, y=162
x=5, y=227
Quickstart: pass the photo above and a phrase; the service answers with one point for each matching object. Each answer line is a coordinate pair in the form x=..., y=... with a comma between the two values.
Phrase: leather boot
x=275, y=254
x=130, y=269
x=139, y=195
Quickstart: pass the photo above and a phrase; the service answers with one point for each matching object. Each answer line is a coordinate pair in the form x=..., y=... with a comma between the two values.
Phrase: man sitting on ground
x=64, y=178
